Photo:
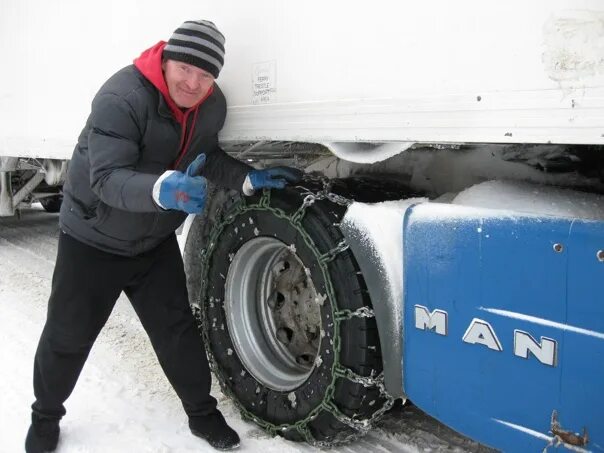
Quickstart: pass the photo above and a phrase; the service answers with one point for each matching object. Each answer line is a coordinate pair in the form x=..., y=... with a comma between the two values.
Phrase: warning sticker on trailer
x=264, y=82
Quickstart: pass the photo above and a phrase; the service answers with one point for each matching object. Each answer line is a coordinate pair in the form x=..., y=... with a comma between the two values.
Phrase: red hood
x=149, y=64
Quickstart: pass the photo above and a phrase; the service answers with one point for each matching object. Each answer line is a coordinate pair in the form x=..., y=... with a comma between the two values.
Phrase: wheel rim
x=273, y=313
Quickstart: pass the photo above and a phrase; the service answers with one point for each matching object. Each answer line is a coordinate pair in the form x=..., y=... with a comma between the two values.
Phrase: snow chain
x=359, y=426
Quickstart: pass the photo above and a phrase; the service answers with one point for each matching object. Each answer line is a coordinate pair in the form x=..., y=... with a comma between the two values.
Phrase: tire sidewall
x=276, y=407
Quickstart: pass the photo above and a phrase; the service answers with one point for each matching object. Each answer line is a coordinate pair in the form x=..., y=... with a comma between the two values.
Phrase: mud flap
x=503, y=328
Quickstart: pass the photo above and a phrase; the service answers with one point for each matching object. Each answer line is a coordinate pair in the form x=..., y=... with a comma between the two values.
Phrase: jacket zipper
x=185, y=144
x=181, y=145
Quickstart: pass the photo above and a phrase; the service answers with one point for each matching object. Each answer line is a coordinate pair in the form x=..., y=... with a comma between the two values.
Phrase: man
x=136, y=172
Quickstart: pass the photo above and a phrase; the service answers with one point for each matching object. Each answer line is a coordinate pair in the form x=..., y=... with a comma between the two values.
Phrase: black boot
x=43, y=435
x=214, y=429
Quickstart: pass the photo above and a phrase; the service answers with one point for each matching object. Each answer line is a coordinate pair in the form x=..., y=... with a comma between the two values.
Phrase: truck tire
x=52, y=204
x=286, y=316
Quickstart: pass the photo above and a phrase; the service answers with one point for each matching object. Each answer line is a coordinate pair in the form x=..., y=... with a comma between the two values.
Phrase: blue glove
x=185, y=191
x=273, y=178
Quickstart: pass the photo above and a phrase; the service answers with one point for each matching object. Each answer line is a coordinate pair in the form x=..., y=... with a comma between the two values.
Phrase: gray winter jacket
x=132, y=137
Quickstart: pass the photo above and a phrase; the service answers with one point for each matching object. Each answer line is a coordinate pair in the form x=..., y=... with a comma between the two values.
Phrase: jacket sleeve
x=222, y=169
x=114, y=150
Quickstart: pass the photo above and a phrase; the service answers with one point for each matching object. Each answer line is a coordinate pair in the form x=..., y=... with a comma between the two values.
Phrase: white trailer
x=365, y=81
x=475, y=103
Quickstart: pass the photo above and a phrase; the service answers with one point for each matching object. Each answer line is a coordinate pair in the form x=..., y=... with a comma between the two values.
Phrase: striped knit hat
x=199, y=43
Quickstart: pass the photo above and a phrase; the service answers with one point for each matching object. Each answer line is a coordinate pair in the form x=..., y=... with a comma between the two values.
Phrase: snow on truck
x=447, y=243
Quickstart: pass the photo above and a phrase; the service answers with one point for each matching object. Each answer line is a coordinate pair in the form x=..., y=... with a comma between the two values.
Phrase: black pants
x=85, y=286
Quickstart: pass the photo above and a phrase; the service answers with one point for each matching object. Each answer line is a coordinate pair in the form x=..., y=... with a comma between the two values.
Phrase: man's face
x=187, y=84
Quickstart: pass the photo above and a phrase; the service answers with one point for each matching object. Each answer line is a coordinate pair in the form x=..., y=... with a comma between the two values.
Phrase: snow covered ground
x=123, y=402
